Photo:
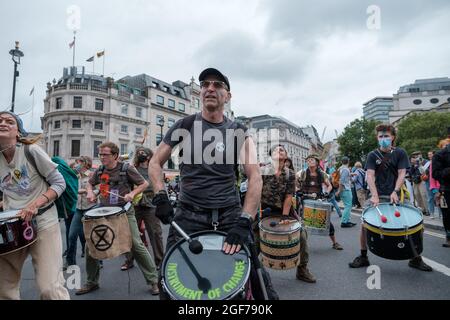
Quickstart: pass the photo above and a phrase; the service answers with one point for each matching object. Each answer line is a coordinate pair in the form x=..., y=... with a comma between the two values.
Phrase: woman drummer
x=32, y=193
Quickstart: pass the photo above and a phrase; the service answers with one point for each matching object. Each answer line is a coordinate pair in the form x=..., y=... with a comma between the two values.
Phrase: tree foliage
x=422, y=132
x=358, y=139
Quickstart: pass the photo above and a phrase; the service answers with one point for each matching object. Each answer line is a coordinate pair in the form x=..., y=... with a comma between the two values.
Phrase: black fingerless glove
x=164, y=210
x=240, y=233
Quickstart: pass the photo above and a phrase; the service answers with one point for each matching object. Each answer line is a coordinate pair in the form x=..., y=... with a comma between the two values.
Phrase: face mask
x=142, y=158
x=385, y=142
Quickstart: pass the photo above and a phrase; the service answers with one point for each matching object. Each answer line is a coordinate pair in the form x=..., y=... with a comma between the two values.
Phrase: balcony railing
x=138, y=98
x=77, y=86
x=99, y=88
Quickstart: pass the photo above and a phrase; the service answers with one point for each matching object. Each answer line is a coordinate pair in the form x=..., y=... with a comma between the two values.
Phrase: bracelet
x=48, y=199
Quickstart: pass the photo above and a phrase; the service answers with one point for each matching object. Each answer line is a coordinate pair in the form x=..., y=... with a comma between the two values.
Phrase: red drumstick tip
x=397, y=214
x=383, y=219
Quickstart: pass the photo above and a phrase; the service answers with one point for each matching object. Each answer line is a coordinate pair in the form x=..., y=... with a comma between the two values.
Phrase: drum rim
x=194, y=235
x=7, y=218
x=15, y=250
x=282, y=232
x=393, y=232
x=326, y=203
x=86, y=214
x=365, y=222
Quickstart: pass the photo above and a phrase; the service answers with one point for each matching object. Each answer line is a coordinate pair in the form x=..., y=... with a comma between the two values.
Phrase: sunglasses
x=216, y=84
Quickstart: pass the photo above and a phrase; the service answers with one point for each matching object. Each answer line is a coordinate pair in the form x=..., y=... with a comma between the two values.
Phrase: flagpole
x=32, y=109
x=104, y=62
x=74, y=44
x=93, y=66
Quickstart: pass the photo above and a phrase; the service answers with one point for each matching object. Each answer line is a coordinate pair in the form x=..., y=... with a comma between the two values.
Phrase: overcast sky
x=313, y=62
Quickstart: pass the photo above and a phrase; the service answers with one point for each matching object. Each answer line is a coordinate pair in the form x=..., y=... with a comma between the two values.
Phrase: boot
x=418, y=263
x=447, y=244
x=303, y=274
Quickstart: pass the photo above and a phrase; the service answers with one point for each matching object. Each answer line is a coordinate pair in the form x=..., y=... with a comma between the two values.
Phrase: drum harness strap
x=215, y=218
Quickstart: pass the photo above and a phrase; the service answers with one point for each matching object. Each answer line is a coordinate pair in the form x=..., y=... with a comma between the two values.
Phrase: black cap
x=215, y=72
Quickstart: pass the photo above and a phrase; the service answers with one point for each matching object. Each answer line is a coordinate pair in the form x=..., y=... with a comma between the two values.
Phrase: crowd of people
x=229, y=196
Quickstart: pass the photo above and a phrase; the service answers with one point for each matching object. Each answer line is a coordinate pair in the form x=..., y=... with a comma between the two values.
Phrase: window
x=99, y=104
x=124, y=109
x=160, y=100
x=417, y=101
x=158, y=138
x=98, y=125
x=434, y=100
x=124, y=128
x=76, y=124
x=123, y=148
x=170, y=164
x=448, y=99
x=56, y=148
x=138, y=112
x=96, y=145
x=77, y=102
x=57, y=124
x=58, y=103
x=139, y=131
x=170, y=122
x=171, y=104
x=196, y=103
x=76, y=148
x=181, y=107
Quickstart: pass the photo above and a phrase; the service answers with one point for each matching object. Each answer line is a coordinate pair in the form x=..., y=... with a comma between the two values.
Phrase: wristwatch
x=397, y=190
x=247, y=215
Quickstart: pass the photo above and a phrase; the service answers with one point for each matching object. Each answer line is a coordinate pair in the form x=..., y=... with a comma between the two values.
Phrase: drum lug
x=406, y=232
x=381, y=233
x=9, y=235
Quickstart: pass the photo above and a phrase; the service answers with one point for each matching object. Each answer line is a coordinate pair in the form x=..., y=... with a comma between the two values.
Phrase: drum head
x=103, y=212
x=8, y=214
x=272, y=225
x=409, y=216
x=210, y=275
x=317, y=204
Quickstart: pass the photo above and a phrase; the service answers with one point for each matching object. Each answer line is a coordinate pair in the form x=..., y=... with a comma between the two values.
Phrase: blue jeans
x=346, y=196
x=430, y=197
x=76, y=230
x=333, y=201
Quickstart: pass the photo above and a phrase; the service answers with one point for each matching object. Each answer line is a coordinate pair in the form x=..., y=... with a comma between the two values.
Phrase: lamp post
x=16, y=54
x=161, y=124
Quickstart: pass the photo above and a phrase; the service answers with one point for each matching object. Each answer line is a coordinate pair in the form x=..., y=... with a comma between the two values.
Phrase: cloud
x=247, y=58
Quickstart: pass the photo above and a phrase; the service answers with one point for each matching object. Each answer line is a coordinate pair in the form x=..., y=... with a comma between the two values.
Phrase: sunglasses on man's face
x=216, y=84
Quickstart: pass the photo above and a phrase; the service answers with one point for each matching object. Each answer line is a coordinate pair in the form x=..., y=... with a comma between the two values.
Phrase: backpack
x=66, y=204
x=335, y=178
x=364, y=178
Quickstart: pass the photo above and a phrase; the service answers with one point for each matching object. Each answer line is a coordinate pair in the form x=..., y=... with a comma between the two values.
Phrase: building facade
x=268, y=131
x=421, y=95
x=82, y=110
x=378, y=109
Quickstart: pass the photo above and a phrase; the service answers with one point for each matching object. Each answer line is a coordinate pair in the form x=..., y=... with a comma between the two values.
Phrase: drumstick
x=397, y=212
x=115, y=194
x=383, y=218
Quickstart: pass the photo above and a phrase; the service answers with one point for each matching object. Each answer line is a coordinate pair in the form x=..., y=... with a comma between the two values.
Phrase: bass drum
x=210, y=275
x=399, y=237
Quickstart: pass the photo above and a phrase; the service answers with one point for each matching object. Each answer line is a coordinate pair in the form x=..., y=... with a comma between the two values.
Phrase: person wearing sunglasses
x=210, y=145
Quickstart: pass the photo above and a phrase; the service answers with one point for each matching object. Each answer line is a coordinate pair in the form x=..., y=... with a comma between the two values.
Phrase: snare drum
x=279, y=243
x=400, y=237
x=107, y=232
x=15, y=233
x=316, y=217
x=210, y=275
